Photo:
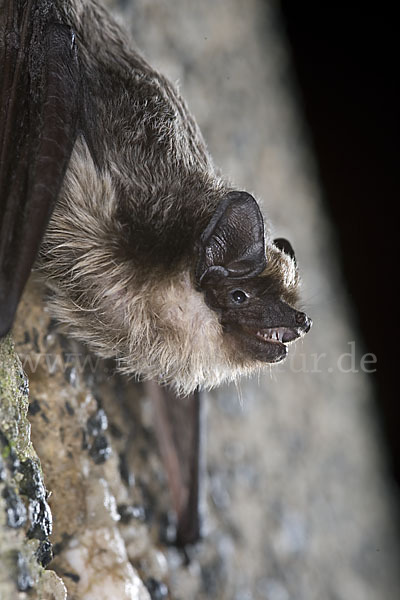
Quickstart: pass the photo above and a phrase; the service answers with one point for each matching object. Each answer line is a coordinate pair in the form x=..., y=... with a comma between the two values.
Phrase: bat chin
x=267, y=344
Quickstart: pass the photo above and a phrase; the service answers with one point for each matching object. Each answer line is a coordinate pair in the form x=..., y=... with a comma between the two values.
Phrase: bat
x=105, y=180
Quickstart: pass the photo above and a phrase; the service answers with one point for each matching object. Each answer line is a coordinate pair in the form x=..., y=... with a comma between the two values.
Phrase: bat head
x=251, y=284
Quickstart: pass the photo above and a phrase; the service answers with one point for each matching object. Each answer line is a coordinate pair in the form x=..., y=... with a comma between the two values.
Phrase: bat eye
x=238, y=296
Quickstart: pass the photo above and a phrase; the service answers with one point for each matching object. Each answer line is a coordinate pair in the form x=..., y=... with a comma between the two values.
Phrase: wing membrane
x=39, y=91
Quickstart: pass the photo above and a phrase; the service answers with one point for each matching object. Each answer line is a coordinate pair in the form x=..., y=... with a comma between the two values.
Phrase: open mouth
x=279, y=335
x=270, y=344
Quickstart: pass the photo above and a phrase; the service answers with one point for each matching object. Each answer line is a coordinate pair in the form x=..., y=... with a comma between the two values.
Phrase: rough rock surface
x=25, y=518
x=298, y=503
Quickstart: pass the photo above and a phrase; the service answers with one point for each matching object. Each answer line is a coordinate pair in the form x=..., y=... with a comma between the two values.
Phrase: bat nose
x=303, y=321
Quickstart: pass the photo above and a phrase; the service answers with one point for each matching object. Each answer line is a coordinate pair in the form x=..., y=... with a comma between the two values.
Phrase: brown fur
x=120, y=250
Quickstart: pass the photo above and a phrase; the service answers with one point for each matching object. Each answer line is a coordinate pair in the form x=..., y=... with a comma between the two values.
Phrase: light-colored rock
x=299, y=505
x=23, y=530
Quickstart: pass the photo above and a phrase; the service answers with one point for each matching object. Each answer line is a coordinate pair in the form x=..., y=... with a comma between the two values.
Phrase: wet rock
x=25, y=580
x=167, y=528
x=97, y=442
x=34, y=407
x=9, y=456
x=74, y=576
x=41, y=520
x=44, y=553
x=31, y=483
x=21, y=484
x=15, y=508
x=157, y=589
x=97, y=423
x=129, y=512
x=100, y=449
x=126, y=470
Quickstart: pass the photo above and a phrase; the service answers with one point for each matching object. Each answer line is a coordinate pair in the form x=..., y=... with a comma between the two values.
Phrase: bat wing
x=180, y=437
x=39, y=91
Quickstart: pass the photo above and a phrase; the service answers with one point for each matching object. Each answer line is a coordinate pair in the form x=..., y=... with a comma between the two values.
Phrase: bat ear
x=233, y=245
x=285, y=246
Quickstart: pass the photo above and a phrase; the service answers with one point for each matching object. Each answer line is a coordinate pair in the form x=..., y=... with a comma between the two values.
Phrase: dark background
x=346, y=61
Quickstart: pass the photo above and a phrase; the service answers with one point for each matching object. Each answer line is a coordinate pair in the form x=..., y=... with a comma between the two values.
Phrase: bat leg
x=180, y=433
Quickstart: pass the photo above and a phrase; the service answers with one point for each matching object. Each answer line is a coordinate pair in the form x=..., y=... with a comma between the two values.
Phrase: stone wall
x=298, y=504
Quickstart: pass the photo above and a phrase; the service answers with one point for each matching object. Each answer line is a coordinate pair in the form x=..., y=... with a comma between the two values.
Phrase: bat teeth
x=271, y=335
